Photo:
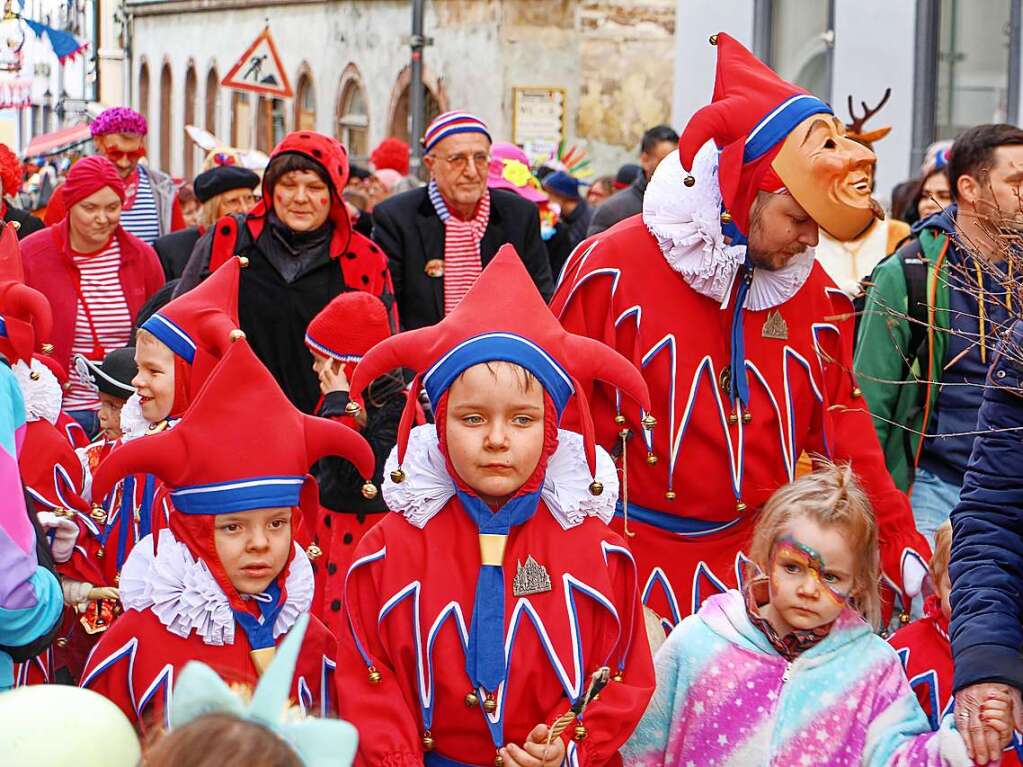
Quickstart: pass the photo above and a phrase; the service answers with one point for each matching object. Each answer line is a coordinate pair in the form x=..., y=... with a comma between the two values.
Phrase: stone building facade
x=348, y=63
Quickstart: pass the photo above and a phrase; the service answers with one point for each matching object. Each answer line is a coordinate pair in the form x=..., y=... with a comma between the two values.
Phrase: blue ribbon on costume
x=260, y=631
x=484, y=658
x=739, y=379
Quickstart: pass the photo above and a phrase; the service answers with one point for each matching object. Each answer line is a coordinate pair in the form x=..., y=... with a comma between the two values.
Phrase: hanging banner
x=259, y=70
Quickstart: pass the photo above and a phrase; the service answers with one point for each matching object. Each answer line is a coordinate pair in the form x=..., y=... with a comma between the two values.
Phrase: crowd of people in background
x=271, y=400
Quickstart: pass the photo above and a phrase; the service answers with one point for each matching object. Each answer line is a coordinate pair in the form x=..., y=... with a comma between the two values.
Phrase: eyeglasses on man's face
x=459, y=162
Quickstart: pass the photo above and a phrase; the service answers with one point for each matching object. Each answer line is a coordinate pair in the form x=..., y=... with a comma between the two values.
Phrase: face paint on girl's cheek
x=787, y=550
x=323, y=201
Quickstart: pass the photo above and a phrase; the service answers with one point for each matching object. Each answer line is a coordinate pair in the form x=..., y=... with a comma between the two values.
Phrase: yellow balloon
x=53, y=725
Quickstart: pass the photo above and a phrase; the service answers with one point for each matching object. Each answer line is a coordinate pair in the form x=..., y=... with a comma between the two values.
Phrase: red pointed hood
x=502, y=318
x=241, y=466
x=332, y=157
x=751, y=115
x=25, y=316
x=199, y=327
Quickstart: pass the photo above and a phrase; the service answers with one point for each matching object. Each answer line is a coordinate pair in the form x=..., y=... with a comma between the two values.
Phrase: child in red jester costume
x=176, y=348
x=226, y=580
x=481, y=609
x=744, y=341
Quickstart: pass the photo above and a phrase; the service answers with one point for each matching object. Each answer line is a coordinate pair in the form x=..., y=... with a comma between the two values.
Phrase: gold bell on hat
x=857, y=391
x=397, y=476
x=740, y=507
x=237, y=334
x=47, y=348
x=374, y=675
x=580, y=733
x=689, y=180
x=596, y=488
x=369, y=490
x=313, y=551
x=651, y=458
x=34, y=375
x=490, y=705
x=713, y=40
x=618, y=676
x=352, y=408
x=726, y=217
x=428, y=742
x=733, y=418
x=472, y=700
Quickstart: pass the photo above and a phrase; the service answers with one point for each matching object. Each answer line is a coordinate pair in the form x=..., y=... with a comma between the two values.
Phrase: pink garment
x=509, y=169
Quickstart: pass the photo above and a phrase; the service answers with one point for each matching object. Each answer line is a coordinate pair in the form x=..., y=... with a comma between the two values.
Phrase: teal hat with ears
x=318, y=742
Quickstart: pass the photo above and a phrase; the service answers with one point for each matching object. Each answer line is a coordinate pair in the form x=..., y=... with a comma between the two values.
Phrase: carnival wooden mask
x=830, y=175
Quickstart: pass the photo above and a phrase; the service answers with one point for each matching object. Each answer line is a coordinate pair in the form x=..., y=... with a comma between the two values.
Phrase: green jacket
x=900, y=391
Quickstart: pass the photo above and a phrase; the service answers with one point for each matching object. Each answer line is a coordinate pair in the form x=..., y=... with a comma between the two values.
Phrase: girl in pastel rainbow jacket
x=789, y=671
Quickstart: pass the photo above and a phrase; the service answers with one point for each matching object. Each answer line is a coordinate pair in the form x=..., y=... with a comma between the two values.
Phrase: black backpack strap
x=914, y=268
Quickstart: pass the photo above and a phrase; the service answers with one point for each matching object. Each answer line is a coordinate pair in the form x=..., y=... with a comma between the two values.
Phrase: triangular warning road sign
x=260, y=69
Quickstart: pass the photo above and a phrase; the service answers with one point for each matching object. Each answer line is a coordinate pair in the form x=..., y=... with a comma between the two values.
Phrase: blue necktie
x=484, y=661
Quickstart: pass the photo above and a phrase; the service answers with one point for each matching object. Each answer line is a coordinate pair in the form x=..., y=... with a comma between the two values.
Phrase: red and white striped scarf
x=462, y=261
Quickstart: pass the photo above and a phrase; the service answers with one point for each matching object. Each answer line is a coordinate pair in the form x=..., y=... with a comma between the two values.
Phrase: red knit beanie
x=391, y=153
x=88, y=176
x=348, y=327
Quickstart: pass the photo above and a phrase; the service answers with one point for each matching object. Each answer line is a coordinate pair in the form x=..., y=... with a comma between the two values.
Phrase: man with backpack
x=933, y=316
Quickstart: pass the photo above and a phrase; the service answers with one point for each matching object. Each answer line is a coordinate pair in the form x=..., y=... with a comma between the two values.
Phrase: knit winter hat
x=348, y=327
x=391, y=153
x=10, y=171
x=119, y=120
x=88, y=176
x=450, y=123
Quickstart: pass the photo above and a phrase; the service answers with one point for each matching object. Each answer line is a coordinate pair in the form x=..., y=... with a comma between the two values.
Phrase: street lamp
x=47, y=107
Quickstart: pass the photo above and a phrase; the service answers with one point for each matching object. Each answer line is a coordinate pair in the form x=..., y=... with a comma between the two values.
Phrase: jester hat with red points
x=774, y=136
x=503, y=318
x=25, y=316
x=219, y=460
x=199, y=327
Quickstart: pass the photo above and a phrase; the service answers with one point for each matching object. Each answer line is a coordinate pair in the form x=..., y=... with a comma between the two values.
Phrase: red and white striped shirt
x=106, y=307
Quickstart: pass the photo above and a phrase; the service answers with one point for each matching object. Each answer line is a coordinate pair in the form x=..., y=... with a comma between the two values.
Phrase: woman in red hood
x=302, y=253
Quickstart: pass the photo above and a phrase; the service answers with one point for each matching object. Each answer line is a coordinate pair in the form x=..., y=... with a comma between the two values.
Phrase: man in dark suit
x=440, y=237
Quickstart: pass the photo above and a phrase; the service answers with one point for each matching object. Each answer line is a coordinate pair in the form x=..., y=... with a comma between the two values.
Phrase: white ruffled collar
x=183, y=594
x=43, y=395
x=566, y=488
x=686, y=221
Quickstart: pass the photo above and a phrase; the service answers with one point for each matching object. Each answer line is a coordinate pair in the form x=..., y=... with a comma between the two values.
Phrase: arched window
x=353, y=116
x=272, y=123
x=166, y=86
x=241, y=120
x=305, y=103
x=401, y=123
x=143, y=101
x=212, y=100
x=190, y=87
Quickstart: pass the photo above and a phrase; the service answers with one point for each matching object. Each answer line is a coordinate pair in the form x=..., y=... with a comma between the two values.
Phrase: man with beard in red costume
x=744, y=341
